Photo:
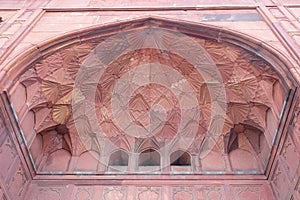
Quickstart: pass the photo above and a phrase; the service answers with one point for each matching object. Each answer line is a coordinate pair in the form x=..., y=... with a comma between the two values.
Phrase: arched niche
x=225, y=48
x=180, y=158
x=118, y=158
x=246, y=148
x=57, y=161
x=118, y=161
x=149, y=161
x=149, y=157
x=180, y=161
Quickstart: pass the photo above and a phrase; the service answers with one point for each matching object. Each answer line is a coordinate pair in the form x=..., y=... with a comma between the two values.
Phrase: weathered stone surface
x=91, y=115
x=77, y=81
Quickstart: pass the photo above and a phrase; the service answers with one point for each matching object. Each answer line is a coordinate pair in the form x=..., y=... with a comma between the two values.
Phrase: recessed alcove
x=180, y=161
x=149, y=160
x=118, y=161
x=198, y=106
x=149, y=100
x=243, y=89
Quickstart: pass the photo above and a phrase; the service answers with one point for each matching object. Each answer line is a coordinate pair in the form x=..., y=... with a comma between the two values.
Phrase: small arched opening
x=180, y=161
x=118, y=160
x=149, y=161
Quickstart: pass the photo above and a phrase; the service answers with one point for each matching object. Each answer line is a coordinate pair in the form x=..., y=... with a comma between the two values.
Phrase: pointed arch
x=259, y=55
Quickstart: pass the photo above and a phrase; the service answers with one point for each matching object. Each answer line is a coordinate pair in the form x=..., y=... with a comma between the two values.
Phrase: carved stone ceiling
x=155, y=88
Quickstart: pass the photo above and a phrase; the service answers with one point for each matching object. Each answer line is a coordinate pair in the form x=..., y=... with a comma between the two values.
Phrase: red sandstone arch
x=218, y=42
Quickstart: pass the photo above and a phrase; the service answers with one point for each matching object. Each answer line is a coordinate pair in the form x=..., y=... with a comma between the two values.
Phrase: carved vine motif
x=51, y=94
x=298, y=186
x=276, y=175
x=180, y=193
x=213, y=192
x=149, y=193
x=295, y=123
x=8, y=144
x=250, y=192
x=285, y=148
x=18, y=182
x=118, y=193
x=84, y=193
x=44, y=193
x=281, y=182
x=2, y=124
x=288, y=153
x=2, y=196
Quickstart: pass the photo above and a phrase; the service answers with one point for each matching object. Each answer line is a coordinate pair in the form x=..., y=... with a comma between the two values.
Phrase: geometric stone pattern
x=252, y=108
x=13, y=178
x=283, y=178
x=134, y=192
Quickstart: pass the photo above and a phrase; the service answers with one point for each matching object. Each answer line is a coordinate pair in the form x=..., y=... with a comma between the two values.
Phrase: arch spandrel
x=248, y=80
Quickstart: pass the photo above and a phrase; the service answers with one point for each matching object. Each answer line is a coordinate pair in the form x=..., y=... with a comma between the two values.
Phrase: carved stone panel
x=2, y=195
x=83, y=193
x=17, y=186
x=183, y=193
x=114, y=192
x=289, y=153
x=246, y=193
x=211, y=192
x=148, y=193
x=50, y=192
x=280, y=182
x=7, y=155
